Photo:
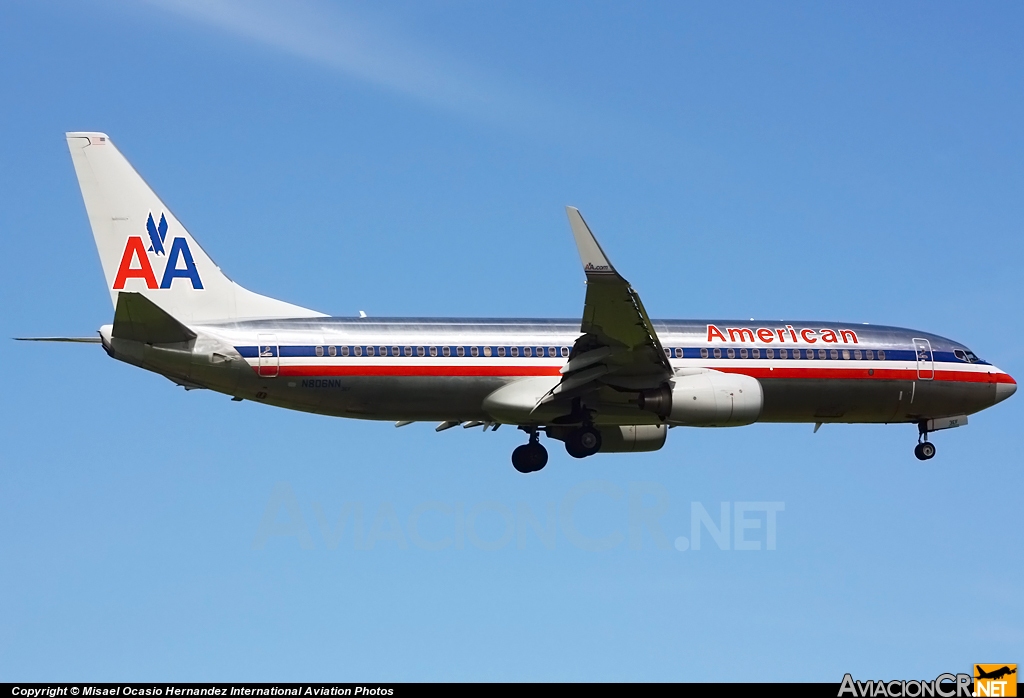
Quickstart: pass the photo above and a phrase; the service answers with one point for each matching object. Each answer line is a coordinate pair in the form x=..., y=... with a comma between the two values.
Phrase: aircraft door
x=269, y=355
x=925, y=359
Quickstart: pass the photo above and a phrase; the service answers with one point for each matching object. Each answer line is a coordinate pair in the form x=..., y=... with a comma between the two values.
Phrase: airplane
x=996, y=674
x=613, y=381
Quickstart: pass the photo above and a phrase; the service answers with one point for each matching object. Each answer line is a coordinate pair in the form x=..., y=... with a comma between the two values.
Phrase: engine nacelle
x=710, y=399
x=633, y=438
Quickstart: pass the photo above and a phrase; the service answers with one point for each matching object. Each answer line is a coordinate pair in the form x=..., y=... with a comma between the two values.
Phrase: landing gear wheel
x=583, y=442
x=925, y=450
x=529, y=458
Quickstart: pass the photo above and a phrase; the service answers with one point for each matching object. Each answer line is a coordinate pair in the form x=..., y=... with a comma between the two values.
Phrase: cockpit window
x=966, y=355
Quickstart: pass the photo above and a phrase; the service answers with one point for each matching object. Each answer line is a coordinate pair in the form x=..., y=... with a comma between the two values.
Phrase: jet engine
x=632, y=438
x=709, y=399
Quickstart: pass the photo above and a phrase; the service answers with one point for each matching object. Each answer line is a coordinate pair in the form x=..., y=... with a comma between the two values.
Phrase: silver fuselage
x=408, y=369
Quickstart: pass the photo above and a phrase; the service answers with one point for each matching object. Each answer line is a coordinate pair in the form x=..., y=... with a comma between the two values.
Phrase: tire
x=924, y=450
x=538, y=457
x=583, y=442
x=573, y=449
x=529, y=458
x=521, y=458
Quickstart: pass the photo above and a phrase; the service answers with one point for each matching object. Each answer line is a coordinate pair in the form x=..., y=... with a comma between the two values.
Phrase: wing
x=619, y=348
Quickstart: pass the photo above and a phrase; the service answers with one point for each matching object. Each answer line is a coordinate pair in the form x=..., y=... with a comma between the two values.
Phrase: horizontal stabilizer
x=77, y=340
x=138, y=319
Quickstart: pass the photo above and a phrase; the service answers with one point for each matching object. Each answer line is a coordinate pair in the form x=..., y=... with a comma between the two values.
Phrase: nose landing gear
x=531, y=456
x=925, y=449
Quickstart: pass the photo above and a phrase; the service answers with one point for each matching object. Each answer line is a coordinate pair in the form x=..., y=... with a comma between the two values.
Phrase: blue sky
x=857, y=162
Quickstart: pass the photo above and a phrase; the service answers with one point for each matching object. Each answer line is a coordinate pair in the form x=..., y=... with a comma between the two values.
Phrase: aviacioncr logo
x=136, y=264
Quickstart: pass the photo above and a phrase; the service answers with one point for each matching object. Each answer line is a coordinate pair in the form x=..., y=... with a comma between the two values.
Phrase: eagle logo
x=157, y=234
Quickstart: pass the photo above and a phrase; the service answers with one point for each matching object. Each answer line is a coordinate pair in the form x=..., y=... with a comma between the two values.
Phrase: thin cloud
x=357, y=49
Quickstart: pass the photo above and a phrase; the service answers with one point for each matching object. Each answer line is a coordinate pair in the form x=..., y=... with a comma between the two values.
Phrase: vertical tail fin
x=144, y=249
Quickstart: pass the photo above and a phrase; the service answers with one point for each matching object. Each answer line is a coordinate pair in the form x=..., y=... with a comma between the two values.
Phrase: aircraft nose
x=1005, y=389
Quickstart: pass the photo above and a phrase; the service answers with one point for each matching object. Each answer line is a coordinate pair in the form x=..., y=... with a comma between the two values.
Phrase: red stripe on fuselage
x=786, y=372
x=877, y=374
x=419, y=371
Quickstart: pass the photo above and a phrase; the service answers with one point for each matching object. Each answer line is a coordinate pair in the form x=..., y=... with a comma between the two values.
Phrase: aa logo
x=995, y=680
x=136, y=263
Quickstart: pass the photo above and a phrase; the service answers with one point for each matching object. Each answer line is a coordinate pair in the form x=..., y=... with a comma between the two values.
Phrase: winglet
x=595, y=262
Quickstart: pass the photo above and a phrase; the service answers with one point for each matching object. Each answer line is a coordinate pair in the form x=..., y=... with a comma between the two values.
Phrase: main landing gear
x=925, y=449
x=531, y=456
x=579, y=443
x=583, y=442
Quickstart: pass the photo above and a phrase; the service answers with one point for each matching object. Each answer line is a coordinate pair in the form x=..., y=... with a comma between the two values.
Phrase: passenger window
x=668, y=353
x=552, y=351
x=319, y=351
x=487, y=351
x=783, y=353
x=358, y=351
x=703, y=353
x=333, y=351
x=383, y=351
x=846, y=354
x=344, y=351
x=881, y=355
x=474, y=351
x=514, y=351
x=821, y=353
x=731, y=353
x=460, y=351
x=565, y=351
x=869, y=355
x=857, y=354
x=396, y=351
x=527, y=351
x=718, y=353
x=501, y=351
x=833, y=354
x=447, y=351
x=433, y=351
x=369, y=351
x=408, y=351
x=421, y=351
x=743, y=353
x=756, y=353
